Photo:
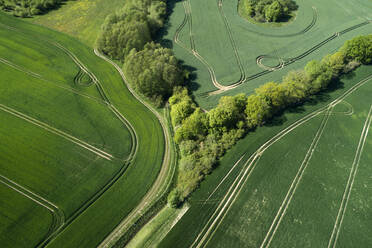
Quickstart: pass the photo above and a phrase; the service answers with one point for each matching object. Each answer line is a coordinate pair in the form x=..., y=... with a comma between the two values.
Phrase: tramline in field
x=232, y=55
x=66, y=146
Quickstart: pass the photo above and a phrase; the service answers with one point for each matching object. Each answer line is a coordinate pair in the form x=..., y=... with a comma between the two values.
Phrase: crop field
x=304, y=182
x=228, y=54
x=75, y=144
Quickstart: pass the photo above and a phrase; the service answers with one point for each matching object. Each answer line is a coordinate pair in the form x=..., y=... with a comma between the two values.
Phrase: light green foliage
x=336, y=62
x=27, y=8
x=204, y=138
x=153, y=71
x=228, y=113
x=257, y=111
x=359, y=49
x=174, y=198
x=320, y=75
x=193, y=128
x=274, y=93
x=182, y=106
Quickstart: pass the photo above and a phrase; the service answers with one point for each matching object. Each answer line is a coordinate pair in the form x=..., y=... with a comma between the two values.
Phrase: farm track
x=296, y=181
x=233, y=192
x=304, y=31
x=58, y=216
x=163, y=180
x=58, y=132
x=56, y=84
x=113, y=109
x=267, y=69
x=349, y=186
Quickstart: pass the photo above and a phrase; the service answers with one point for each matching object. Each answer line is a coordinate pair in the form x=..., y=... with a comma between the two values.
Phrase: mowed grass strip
x=90, y=227
x=21, y=215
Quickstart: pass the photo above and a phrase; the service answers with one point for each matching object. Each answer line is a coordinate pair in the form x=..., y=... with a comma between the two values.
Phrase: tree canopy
x=269, y=10
x=153, y=71
x=27, y=8
x=203, y=137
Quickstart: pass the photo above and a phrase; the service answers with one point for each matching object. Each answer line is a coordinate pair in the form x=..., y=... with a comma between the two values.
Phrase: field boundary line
x=296, y=181
x=284, y=132
x=58, y=132
x=349, y=186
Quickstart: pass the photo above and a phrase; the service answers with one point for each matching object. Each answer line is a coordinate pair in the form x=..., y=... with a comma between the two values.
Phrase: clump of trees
x=28, y=8
x=128, y=36
x=203, y=137
x=269, y=10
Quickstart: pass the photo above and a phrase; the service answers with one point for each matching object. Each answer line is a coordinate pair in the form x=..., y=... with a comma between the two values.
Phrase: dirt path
x=163, y=180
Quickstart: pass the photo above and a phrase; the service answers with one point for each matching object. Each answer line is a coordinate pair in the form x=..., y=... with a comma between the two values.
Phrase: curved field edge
x=105, y=213
x=233, y=162
x=163, y=182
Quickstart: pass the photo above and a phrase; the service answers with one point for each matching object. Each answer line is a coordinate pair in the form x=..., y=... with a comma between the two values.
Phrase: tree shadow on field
x=191, y=81
x=162, y=32
x=321, y=97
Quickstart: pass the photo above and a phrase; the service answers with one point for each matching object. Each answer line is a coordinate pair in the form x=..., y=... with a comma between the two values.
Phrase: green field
x=221, y=46
x=303, y=182
x=78, y=151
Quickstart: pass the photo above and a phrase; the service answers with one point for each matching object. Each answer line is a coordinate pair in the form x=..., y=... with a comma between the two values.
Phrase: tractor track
x=233, y=192
x=61, y=226
x=349, y=185
x=163, y=181
x=283, y=62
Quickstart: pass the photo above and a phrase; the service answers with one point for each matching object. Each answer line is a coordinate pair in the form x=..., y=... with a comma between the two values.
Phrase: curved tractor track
x=234, y=190
x=304, y=31
x=60, y=223
x=162, y=182
x=267, y=69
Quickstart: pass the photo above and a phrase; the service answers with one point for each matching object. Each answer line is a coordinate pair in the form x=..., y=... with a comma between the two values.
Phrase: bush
x=174, y=198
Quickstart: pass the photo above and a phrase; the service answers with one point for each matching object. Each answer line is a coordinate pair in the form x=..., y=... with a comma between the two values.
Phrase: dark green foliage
x=153, y=71
x=27, y=8
x=204, y=137
x=130, y=28
x=269, y=10
x=359, y=49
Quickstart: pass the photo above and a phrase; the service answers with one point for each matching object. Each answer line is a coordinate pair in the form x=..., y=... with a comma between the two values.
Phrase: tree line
x=128, y=36
x=269, y=10
x=28, y=8
x=203, y=137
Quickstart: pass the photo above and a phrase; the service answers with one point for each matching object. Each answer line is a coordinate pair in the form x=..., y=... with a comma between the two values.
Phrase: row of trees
x=128, y=36
x=28, y=8
x=203, y=137
x=269, y=10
